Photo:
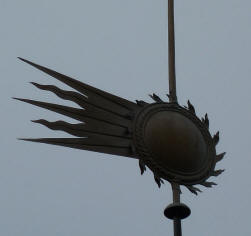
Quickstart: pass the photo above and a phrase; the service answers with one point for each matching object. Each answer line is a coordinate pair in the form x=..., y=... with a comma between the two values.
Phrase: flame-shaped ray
x=190, y=107
x=193, y=190
x=219, y=157
x=142, y=166
x=217, y=172
x=80, y=129
x=96, y=96
x=216, y=138
x=155, y=97
x=79, y=114
x=66, y=95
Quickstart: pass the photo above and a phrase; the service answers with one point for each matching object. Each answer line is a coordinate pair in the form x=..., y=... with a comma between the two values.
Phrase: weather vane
x=164, y=136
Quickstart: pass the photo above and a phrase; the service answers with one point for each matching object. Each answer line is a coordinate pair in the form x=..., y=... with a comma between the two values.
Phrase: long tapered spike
x=219, y=157
x=155, y=97
x=217, y=172
x=193, y=190
x=80, y=114
x=71, y=112
x=104, y=99
x=86, y=144
x=208, y=184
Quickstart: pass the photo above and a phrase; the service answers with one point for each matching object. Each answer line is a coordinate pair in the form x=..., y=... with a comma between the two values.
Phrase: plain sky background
x=120, y=46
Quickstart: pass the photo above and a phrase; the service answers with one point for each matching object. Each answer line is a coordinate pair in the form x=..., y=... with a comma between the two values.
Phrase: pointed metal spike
x=16, y=98
x=190, y=107
x=84, y=144
x=38, y=121
x=158, y=180
x=216, y=138
x=99, y=97
x=141, y=103
x=217, y=172
x=151, y=96
x=155, y=97
x=197, y=189
x=24, y=139
x=22, y=59
x=142, y=166
x=74, y=113
x=208, y=184
x=193, y=189
x=33, y=83
x=220, y=156
x=206, y=121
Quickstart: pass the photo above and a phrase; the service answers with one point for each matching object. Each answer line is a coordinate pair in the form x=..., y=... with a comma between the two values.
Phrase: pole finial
x=177, y=211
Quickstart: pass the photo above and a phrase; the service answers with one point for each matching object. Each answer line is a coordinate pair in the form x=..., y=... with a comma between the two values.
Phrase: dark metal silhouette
x=105, y=119
x=171, y=53
x=164, y=136
x=167, y=138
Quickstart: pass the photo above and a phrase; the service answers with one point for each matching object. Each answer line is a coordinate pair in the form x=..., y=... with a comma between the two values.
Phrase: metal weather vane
x=167, y=138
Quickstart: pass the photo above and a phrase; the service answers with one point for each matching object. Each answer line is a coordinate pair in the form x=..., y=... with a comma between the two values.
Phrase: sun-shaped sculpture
x=165, y=137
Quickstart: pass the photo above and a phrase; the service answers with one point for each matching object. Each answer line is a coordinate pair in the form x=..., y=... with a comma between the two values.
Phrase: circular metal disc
x=174, y=143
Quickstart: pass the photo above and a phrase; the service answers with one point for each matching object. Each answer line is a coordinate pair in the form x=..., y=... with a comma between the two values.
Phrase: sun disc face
x=174, y=143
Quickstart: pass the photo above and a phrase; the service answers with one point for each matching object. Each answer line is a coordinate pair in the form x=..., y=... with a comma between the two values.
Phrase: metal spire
x=171, y=53
x=177, y=210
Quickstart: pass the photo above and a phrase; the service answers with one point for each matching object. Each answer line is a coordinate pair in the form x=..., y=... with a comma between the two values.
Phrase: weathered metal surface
x=174, y=143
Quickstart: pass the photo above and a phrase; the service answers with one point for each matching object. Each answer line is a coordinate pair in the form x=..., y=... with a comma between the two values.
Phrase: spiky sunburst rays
x=105, y=121
x=218, y=157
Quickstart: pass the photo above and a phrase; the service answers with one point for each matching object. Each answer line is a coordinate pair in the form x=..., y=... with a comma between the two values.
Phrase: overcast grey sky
x=120, y=46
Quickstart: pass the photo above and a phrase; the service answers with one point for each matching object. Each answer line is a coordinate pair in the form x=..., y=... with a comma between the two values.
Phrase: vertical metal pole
x=177, y=210
x=177, y=227
x=171, y=52
x=176, y=199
